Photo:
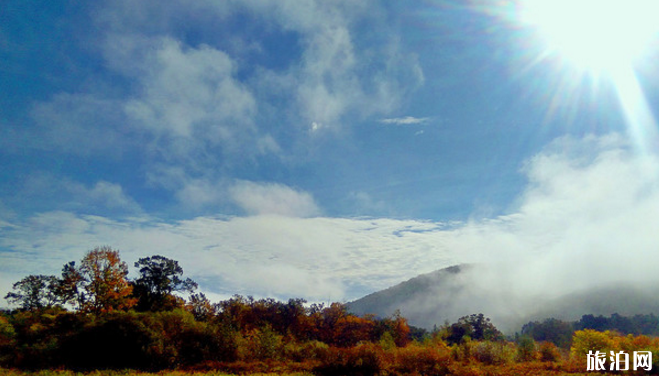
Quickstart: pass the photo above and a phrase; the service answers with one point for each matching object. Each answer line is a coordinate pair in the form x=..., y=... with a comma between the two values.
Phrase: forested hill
x=445, y=295
x=418, y=292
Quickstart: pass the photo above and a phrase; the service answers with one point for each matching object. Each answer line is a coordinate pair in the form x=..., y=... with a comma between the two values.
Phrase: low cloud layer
x=585, y=220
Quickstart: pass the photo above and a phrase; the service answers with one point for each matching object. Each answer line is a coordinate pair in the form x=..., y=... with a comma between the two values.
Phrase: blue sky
x=310, y=148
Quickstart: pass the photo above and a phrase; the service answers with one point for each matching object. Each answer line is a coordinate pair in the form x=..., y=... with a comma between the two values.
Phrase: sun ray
x=591, y=44
x=640, y=120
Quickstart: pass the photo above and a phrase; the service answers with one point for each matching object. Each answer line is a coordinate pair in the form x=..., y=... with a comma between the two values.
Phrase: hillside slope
x=447, y=294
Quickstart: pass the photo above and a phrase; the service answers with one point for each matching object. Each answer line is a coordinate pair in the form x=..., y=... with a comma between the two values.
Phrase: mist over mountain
x=450, y=293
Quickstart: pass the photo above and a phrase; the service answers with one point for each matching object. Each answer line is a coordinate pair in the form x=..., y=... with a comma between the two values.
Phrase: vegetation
x=561, y=332
x=93, y=318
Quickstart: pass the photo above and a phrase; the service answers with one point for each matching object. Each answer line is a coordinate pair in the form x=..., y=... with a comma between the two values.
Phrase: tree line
x=100, y=285
x=560, y=332
x=92, y=316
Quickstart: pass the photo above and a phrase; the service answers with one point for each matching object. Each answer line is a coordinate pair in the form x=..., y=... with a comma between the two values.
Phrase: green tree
x=35, y=292
x=553, y=330
x=475, y=326
x=159, y=278
x=526, y=349
x=69, y=285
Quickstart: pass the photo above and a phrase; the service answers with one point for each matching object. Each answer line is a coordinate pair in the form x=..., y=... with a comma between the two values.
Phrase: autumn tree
x=200, y=306
x=105, y=286
x=35, y=292
x=159, y=278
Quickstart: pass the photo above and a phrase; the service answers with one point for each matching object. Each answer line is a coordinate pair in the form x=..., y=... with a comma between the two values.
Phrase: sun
x=603, y=39
x=598, y=36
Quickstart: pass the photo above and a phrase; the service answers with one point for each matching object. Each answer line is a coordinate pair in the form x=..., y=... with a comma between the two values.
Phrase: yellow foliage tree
x=106, y=287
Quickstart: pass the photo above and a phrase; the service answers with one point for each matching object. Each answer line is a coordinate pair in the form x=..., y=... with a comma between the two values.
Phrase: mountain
x=450, y=293
x=417, y=299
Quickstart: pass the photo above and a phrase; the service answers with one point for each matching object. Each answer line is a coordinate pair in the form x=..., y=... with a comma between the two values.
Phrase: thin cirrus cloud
x=69, y=194
x=407, y=120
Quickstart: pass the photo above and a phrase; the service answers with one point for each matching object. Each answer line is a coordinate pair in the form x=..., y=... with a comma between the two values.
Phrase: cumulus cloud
x=205, y=105
x=191, y=92
x=273, y=198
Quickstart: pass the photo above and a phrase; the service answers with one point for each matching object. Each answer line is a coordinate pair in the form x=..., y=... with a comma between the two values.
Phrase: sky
x=328, y=149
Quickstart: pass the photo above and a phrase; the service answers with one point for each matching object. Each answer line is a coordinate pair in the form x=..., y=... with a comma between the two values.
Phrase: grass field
x=473, y=370
x=7, y=372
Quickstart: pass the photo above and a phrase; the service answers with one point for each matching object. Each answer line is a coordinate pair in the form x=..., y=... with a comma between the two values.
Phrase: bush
x=362, y=360
x=549, y=352
x=587, y=340
x=7, y=341
x=264, y=343
x=117, y=341
x=422, y=360
x=38, y=336
x=526, y=349
x=492, y=352
x=311, y=350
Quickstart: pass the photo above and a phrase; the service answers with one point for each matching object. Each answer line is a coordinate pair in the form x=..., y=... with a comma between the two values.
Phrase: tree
x=159, y=278
x=68, y=287
x=35, y=292
x=105, y=284
x=200, y=307
x=553, y=330
x=476, y=327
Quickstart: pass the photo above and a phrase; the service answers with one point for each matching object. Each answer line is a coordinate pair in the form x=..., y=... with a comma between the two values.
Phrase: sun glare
x=603, y=39
x=599, y=36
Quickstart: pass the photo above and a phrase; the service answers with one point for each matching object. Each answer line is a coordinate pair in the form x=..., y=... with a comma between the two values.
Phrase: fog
x=581, y=239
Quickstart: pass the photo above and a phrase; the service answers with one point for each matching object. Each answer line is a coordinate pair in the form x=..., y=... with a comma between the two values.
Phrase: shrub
x=549, y=352
x=422, y=360
x=526, y=349
x=7, y=342
x=488, y=352
x=310, y=350
x=362, y=360
x=117, y=341
x=588, y=339
x=264, y=343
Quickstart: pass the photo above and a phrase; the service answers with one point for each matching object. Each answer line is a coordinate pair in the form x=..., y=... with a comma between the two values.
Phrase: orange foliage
x=106, y=285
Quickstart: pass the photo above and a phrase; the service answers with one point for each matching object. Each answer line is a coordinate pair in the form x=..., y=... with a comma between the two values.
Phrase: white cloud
x=273, y=198
x=191, y=92
x=201, y=106
x=585, y=220
x=80, y=124
x=201, y=192
x=405, y=120
x=316, y=258
x=101, y=197
x=336, y=79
